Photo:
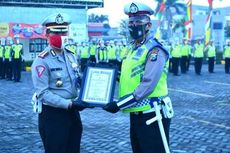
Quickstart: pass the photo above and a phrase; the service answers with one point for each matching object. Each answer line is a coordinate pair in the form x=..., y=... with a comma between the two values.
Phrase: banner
x=22, y=30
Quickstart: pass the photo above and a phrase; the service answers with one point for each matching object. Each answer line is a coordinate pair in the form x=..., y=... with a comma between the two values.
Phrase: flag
x=208, y=24
x=188, y=20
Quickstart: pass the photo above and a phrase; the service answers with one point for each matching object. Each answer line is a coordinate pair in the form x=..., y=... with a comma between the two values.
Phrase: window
x=217, y=25
x=37, y=45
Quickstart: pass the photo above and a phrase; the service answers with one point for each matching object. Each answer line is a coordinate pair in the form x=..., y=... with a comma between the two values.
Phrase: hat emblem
x=133, y=8
x=59, y=19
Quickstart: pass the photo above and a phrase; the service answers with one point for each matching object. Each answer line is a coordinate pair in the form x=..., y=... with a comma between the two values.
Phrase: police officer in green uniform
x=176, y=57
x=184, y=55
x=55, y=75
x=211, y=51
x=84, y=55
x=8, y=60
x=198, y=56
x=101, y=54
x=17, y=51
x=92, y=50
x=143, y=80
x=227, y=57
x=2, y=41
x=189, y=55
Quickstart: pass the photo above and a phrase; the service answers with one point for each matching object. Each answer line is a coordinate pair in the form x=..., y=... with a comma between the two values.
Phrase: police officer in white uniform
x=143, y=81
x=55, y=75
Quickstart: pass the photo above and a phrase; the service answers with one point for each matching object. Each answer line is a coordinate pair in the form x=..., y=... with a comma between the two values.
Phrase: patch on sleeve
x=40, y=69
x=153, y=55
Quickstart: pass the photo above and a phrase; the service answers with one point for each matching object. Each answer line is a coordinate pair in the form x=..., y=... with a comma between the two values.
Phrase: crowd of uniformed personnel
x=181, y=55
x=99, y=52
x=10, y=59
x=113, y=52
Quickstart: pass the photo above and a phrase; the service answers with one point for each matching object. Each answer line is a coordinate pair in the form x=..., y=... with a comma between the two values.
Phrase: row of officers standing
x=10, y=59
x=181, y=55
x=110, y=52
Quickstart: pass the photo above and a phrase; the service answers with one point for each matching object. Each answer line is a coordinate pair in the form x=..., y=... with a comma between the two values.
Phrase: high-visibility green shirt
x=1, y=51
x=93, y=49
x=211, y=51
x=227, y=51
x=131, y=74
x=176, y=51
x=124, y=52
x=199, y=51
x=185, y=50
x=112, y=52
x=7, y=52
x=85, y=52
x=102, y=54
x=17, y=51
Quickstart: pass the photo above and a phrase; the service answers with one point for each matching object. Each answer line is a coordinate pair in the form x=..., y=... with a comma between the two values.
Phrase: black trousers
x=17, y=69
x=147, y=138
x=198, y=65
x=227, y=65
x=8, y=70
x=83, y=63
x=183, y=64
x=175, y=65
x=188, y=62
x=2, y=68
x=60, y=130
x=211, y=61
x=170, y=65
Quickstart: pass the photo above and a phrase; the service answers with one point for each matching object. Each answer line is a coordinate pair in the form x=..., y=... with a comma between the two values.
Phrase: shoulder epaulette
x=43, y=54
x=68, y=50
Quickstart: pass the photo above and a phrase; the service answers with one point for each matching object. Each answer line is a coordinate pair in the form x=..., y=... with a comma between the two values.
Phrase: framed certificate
x=98, y=85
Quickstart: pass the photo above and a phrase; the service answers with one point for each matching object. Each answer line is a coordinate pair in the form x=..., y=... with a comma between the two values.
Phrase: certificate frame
x=98, y=85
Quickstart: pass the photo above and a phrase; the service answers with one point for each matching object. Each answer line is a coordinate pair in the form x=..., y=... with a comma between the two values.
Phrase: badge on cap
x=59, y=19
x=133, y=8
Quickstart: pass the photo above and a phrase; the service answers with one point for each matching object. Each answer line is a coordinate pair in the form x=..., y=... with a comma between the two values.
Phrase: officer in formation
x=185, y=50
x=227, y=57
x=84, y=53
x=176, y=56
x=8, y=68
x=143, y=81
x=211, y=53
x=198, y=56
x=56, y=77
x=2, y=43
x=189, y=54
x=17, y=53
x=92, y=50
x=101, y=54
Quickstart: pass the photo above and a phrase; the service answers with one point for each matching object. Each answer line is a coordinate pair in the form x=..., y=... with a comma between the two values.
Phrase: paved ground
x=201, y=123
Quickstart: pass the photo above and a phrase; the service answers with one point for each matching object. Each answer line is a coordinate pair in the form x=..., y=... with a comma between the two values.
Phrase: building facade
x=30, y=12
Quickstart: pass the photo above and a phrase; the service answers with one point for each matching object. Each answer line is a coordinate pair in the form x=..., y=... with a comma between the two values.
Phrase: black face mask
x=137, y=32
